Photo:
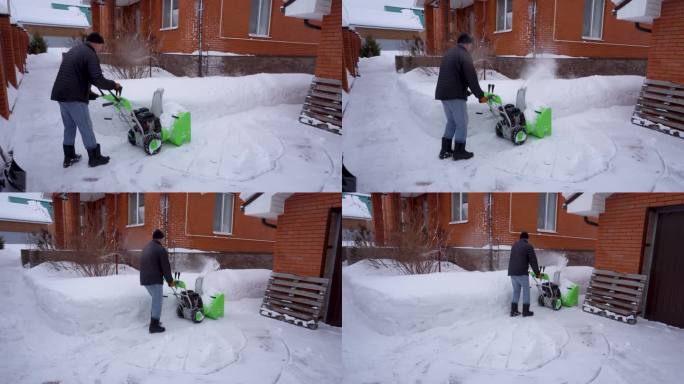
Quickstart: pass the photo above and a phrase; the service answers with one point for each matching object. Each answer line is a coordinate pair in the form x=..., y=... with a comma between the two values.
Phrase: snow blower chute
x=513, y=124
x=144, y=125
x=190, y=305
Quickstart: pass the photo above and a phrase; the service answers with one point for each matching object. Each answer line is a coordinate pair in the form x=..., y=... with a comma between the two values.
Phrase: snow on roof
x=3, y=8
x=40, y=12
x=354, y=207
x=30, y=211
x=372, y=14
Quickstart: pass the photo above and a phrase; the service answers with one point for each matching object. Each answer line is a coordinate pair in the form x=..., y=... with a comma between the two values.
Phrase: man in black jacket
x=456, y=75
x=522, y=255
x=154, y=267
x=79, y=70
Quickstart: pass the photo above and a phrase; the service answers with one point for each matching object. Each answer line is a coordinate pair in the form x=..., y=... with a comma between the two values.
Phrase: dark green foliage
x=370, y=47
x=37, y=45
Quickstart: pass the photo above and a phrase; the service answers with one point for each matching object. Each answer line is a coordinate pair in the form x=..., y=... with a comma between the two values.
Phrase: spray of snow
x=539, y=69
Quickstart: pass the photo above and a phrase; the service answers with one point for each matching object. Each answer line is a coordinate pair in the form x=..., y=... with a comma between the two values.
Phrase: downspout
x=490, y=231
x=637, y=25
x=573, y=198
x=200, y=21
x=534, y=28
x=266, y=223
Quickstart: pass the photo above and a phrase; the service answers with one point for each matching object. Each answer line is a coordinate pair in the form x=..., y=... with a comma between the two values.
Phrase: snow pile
x=355, y=208
x=88, y=304
x=399, y=304
x=236, y=284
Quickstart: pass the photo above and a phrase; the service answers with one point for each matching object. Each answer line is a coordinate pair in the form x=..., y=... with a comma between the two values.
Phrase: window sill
x=223, y=233
x=259, y=36
x=168, y=29
x=545, y=231
x=592, y=38
x=458, y=222
x=504, y=31
x=135, y=225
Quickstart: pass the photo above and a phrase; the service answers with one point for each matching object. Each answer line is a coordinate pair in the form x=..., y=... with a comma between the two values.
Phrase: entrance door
x=665, y=301
x=333, y=269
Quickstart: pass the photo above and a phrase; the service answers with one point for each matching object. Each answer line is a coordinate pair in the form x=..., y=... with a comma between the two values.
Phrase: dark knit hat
x=95, y=37
x=158, y=234
x=524, y=235
x=464, y=38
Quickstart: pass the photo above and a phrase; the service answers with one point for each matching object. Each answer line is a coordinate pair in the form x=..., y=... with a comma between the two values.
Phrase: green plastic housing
x=215, y=309
x=180, y=132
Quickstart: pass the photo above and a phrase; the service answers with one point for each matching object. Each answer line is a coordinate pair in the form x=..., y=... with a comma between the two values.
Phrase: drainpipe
x=490, y=231
x=200, y=21
x=534, y=28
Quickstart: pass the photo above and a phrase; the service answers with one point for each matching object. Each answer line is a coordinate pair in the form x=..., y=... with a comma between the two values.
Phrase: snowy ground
x=393, y=127
x=454, y=328
x=60, y=328
x=245, y=136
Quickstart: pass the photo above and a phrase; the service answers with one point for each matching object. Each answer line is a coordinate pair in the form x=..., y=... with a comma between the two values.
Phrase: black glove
x=93, y=96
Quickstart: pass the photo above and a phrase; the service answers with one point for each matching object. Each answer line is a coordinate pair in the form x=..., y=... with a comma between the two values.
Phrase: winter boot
x=155, y=326
x=446, y=151
x=95, y=158
x=70, y=156
x=460, y=153
x=514, y=310
x=526, y=311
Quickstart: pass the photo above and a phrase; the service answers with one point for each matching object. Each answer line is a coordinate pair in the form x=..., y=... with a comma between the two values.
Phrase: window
x=546, y=213
x=136, y=209
x=593, y=19
x=260, y=18
x=504, y=15
x=223, y=213
x=459, y=207
x=169, y=14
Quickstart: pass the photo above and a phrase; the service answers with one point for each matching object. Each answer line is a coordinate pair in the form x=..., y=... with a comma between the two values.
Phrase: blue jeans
x=155, y=291
x=75, y=114
x=457, y=120
x=518, y=282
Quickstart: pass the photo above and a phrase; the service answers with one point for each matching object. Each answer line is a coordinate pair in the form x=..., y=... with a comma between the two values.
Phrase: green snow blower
x=190, y=305
x=512, y=124
x=553, y=294
x=144, y=125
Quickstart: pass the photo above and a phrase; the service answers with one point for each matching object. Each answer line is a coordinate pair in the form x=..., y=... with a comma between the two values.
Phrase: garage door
x=665, y=299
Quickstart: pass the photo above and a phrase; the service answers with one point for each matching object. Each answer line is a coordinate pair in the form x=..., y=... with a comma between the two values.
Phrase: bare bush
x=133, y=56
x=416, y=48
x=415, y=247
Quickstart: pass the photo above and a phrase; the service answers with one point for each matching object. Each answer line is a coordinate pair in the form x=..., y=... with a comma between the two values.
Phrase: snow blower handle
x=116, y=95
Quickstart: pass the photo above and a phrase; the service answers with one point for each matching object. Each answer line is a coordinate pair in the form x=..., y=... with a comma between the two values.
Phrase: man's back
x=154, y=264
x=522, y=256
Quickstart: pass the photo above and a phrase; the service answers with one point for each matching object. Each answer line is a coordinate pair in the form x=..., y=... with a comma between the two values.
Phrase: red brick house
x=642, y=233
x=232, y=36
x=663, y=100
x=525, y=27
x=476, y=220
x=197, y=221
x=308, y=239
x=14, y=41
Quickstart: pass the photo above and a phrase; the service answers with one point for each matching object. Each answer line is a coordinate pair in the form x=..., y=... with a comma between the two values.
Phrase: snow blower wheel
x=557, y=304
x=179, y=311
x=518, y=135
x=131, y=137
x=540, y=300
x=152, y=144
x=197, y=316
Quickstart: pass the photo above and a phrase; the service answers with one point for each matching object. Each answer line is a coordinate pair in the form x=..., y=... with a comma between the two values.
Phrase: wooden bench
x=295, y=299
x=323, y=105
x=615, y=295
x=661, y=107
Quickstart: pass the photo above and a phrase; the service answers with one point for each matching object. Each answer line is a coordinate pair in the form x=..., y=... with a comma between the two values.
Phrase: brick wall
x=623, y=228
x=352, y=47
x=225, y=28
x=190, y=228
x=666, y=56
x=558, y=30
x=8, y=50
x=572, y=233
x=302, y=233
x=329, y=63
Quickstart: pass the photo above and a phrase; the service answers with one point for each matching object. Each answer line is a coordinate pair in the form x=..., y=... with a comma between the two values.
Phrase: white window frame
x=137, y=222
x=496, y=17
x=223, y=211
x=170, y=15
x=546, y=214
x=270, y=18
x=459, y=219
x=591, y=22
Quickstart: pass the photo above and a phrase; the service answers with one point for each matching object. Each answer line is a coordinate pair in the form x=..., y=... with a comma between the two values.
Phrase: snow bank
x=564, y=96
x=400, y=304
x=354, y=207
x=236, y=284
x=89, y=304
